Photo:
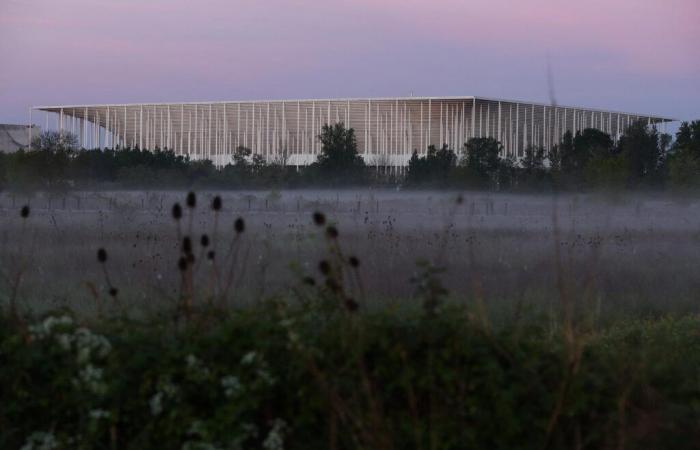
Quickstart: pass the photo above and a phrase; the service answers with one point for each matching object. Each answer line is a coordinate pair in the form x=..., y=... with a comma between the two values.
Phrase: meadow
x=349, y=319
x=628, y=251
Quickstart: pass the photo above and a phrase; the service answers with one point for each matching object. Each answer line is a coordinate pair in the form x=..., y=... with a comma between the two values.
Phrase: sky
x=626, y=55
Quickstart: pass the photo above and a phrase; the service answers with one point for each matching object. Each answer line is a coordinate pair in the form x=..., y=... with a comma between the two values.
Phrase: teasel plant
x=200, y=257
x=339, y=272
x=21, y=261
x=361, y=413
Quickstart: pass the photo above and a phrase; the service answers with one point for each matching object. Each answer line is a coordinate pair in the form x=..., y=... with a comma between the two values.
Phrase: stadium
x=388, y=130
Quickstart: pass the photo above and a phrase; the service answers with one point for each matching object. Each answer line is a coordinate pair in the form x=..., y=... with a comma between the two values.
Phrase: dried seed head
x=354, y=262
x=204, y=240
x=216, y=203
x=332, y=232
x=182, y=264
x=351, y=305
x=101, y=255
x=325, y=267
x=187, y=245
x=113, y=291
x=239, y=225
x=211, y=255
x=177, y=211
x=319, y=218
x=191, y=200
x=24, y=212
x=309, y=281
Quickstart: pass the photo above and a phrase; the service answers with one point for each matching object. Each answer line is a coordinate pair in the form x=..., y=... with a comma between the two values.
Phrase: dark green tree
x=640, y=148
x=533, y=159
x=482, y=159
x=240, y=156
x=684, y=158
x=433, y=168
x=533, y=172
x=338, y=161
x=55, y=141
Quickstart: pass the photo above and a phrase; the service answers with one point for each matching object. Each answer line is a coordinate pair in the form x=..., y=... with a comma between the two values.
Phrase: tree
x=55, y=141
x=640, y=148
x=533, y=172
x=688, y=138
x=482, y=158
x=433, y=168
x=533, y=159
x=241, y=155
x=570, y=160
x=339, y=161
x=684, y=158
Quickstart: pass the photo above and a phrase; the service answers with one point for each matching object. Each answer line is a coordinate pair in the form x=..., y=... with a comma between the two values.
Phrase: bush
x=275, y=376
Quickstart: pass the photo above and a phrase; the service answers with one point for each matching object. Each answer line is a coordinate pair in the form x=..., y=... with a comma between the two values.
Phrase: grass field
x=629, y=252
x=392, y=320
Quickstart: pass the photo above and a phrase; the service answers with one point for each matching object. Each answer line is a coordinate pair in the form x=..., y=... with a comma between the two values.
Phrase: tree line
x=642, y=157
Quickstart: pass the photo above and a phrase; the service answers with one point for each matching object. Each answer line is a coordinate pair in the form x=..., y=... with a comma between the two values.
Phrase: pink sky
x=633, y=55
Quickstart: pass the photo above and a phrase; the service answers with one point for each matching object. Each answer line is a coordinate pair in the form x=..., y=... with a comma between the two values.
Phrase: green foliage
x=432, y=169
x=534, y=172
x=640, y=148
x=310, y=378
x=610, y=172
x=688, y=138
x=482, y=158
x=338, y=161
x=684, y=161
x=590, y=159
x=54, y=141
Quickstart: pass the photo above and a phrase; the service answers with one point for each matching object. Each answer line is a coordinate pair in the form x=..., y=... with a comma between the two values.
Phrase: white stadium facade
x=388, y=130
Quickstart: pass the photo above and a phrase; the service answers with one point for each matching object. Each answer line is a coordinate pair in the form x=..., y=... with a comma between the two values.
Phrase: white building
x=387, y=129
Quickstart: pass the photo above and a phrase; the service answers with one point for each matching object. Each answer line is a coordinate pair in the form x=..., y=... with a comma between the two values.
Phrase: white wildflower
x=98, y=414
x=192, y=361
x=275, y=438
x=248, y=358
x=167, y=390
x=232, y=385
x=89, y=344
x=40, y=440
x=266, y=377
x=91, y=378
x=196, y=366
x=44, y=329
x=65, y=341
x=156, y=403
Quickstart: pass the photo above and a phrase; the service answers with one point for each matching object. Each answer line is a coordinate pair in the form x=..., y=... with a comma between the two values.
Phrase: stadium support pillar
x=517, y=130
x=29, y=142
x=209, y=134
x=141, y=128
x=500, y=126
x=108, y=136
x=473, y=118
x=430, y=113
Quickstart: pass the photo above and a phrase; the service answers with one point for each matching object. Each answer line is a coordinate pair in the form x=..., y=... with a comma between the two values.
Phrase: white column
x=29, y=144
x=141, y=128
x=500, y=137
x=430, y=123
x=473, y=133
